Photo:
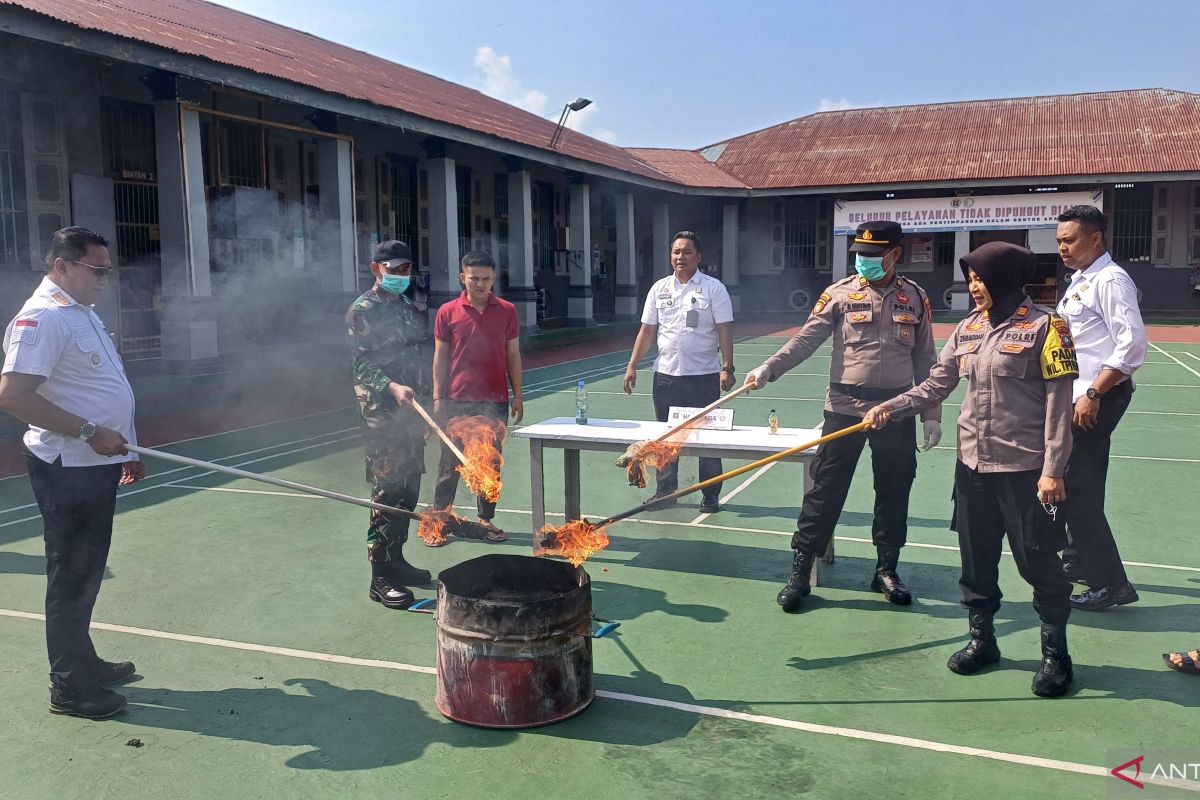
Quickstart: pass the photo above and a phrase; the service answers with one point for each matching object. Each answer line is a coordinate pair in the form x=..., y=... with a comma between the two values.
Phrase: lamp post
x=578, y=104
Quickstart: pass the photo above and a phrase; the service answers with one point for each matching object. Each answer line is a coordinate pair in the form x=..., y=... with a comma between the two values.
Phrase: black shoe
x=402, y=571
x=710, y=506
x=654, y=498
x=83, y=699
x=981, y=650
x=1073, y=573
x=1056, y=673
x=889, y=583
x=798, y=583
x=390, y=593
x=109, y=672
x=1105, y=597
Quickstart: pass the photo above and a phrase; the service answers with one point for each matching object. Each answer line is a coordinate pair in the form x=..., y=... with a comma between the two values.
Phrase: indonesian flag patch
x=24, y=331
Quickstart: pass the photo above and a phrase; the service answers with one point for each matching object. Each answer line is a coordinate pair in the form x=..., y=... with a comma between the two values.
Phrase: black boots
x=83, y=697
x=109, y=672
x=887, y=581
x=798, y=586
x=1056, y=674
x=387, y=588
x=981, y=650
x=405, y=572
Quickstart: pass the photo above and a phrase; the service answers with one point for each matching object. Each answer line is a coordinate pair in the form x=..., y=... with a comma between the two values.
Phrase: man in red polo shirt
x=476, y=356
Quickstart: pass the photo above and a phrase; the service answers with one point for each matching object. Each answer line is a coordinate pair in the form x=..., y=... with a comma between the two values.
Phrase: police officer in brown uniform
x=882, y=343
x=1014, y=440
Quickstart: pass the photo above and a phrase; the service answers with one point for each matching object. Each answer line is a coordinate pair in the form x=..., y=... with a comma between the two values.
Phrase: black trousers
x=989, y=505
x=447, y=478
x=693, y=391
x=77, y=505
x=1092, y=547
x=894, y=463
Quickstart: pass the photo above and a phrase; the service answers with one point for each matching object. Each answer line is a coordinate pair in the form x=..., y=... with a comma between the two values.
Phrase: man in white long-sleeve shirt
x=1100, y=306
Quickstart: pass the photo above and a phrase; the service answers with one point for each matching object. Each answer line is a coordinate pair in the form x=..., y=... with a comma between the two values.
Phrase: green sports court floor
x=268, y=673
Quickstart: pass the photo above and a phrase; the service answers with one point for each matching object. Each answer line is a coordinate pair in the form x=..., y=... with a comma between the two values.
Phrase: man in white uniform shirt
x=690, y=316
x=1100, y=306
x=62, y=376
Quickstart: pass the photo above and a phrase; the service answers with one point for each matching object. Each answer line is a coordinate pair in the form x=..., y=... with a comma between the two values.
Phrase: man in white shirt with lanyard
x=1100, y=305
x=62, y=376
x=690, y=316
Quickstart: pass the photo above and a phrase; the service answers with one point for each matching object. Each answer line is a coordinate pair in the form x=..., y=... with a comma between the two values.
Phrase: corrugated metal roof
x=239, y=40
x=687, y=166
x=1108, y=133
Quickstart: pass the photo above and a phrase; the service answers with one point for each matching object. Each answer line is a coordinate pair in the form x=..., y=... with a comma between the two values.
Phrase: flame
x=653, y=454
x=479, y=436
x=432, y=526
x=576, y=541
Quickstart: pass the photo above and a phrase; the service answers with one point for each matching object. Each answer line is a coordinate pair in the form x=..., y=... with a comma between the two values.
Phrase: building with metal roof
x=244, y=170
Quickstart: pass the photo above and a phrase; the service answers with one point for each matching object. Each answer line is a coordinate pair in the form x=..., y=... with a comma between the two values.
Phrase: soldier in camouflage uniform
x=391, y=367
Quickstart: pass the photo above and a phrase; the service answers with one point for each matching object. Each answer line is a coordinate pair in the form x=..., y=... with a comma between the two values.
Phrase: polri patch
x=902, y=297
x=822, y=301
x=1022, y=312
x=1058, y=357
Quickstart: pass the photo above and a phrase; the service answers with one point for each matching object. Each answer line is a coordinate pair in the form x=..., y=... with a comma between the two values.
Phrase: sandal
x=1190, y=661
x=491, y=532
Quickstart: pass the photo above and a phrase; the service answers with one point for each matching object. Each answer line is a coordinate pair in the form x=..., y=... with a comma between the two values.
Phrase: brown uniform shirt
x=1016, y=415
x=882, y=339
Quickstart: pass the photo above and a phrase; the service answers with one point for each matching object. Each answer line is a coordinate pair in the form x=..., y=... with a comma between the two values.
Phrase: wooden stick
x=698, y=416
x=733, y=473
x=254, y=476
x=441, y=433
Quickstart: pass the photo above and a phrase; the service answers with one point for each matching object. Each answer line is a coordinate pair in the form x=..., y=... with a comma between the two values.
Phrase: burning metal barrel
x=514, y=642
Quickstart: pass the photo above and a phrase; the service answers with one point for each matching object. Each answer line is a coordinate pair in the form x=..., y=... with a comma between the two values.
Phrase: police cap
x=395, y=250
x=876, y=238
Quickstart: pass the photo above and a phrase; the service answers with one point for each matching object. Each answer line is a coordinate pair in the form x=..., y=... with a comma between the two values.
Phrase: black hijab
x=1004, y=269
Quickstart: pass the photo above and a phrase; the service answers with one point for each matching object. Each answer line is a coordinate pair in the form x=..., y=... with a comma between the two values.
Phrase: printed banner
x=989, y=212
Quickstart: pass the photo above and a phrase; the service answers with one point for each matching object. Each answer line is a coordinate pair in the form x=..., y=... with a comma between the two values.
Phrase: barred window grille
x=1133, y=218
x=13, y=220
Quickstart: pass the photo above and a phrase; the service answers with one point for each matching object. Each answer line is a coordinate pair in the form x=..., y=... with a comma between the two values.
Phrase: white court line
x=1124, y=458
x=130, y=493
x=691, y=708
x=1192, y=355
x=1176, y=360
x=156, y=475
x=742, y=486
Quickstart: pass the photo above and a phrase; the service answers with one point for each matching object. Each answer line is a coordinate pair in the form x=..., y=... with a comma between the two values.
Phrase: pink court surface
x=266, y=671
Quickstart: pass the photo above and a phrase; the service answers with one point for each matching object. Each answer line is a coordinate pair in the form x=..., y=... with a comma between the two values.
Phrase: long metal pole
x=254, y=476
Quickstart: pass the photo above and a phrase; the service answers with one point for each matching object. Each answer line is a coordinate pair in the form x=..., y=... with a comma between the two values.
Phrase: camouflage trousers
x=394, y=471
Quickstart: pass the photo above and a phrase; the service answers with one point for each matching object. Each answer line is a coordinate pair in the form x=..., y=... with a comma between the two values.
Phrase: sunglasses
x=100, y=271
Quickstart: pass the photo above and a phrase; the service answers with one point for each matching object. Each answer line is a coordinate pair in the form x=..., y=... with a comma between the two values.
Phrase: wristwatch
x=87, y=430
x=728, y=369
x=1092, y=394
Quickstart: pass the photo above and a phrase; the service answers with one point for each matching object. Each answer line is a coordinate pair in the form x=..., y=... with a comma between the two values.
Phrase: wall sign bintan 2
x=972, y=213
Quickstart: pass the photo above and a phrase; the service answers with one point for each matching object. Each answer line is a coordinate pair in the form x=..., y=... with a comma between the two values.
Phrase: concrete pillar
x=335, y=237
x=962, y=246
x=579, y=259
x=662, y=240
x=520, y=248
x=838, y=257
x=443, y=232
x=189, y=327
x=627, y=306
x=730, y=274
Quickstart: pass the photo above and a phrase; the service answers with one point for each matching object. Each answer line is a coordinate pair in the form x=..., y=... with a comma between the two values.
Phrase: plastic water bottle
x=773, y=422
x=581, y=403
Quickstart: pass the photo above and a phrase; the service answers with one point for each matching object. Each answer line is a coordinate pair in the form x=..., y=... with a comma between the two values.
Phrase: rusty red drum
x=514, y=644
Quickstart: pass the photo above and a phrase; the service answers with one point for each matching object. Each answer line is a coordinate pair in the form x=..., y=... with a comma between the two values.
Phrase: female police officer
x=1014, y=439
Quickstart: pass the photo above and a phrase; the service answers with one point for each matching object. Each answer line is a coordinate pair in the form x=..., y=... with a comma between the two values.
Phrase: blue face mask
x=395, y=284
x=869, y=268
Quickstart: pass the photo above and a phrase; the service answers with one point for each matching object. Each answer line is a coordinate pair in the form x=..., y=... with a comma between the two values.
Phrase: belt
x=868, y=393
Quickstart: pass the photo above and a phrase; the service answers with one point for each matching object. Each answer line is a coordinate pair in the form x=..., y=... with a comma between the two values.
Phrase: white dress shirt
x=1101, y=307
x=684, y=349
x=64, y=342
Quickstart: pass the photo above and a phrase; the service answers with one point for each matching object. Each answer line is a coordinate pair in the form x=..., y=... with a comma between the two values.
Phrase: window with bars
x=243, y=151
x=14, y=224
x=1133, y=218
x=806, y=233
x=463, y=181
